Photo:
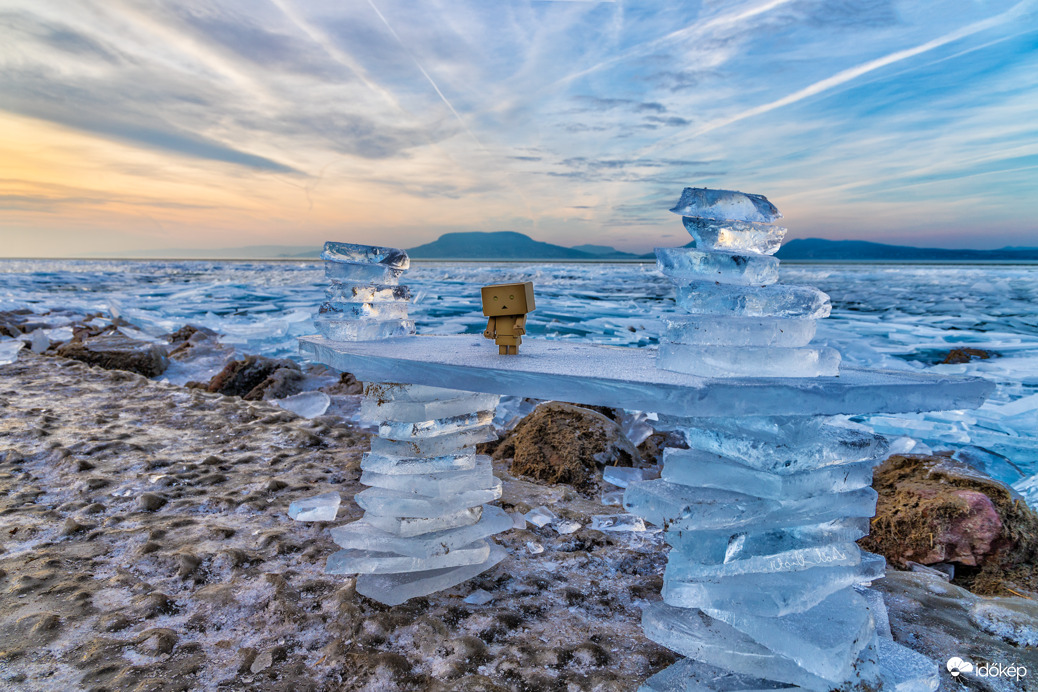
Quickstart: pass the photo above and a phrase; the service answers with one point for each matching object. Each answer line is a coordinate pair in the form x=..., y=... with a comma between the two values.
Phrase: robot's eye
x=511, y=297
x=495, y=297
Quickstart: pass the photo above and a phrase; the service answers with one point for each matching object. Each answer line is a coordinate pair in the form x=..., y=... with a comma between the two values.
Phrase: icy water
x=888, y=316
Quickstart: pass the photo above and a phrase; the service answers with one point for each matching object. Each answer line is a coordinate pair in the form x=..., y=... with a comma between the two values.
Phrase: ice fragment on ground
x=365, y=535
x=321, y=507
x=617, y=522
x=479, y=597
x=713, y=330
x=723, y=205
x=307, y=404
x=613, y=497
x=518, y=520
x=350, y=253
x=749, y=361
x=394, y=589
x=1013, y=619
x=540, y=516
x=695, y=676
x=534, y=548
x=707, y=298
x=688, y=264
x=878, y=608
x=9, y=351
x=39, y=342
x=622, y=476
x=567, y=526
x=904, y=670
x=711, y=234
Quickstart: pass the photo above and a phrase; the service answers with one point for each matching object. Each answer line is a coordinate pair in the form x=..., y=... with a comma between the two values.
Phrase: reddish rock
x=257, y=377
x=117, y=352
x=965, y=355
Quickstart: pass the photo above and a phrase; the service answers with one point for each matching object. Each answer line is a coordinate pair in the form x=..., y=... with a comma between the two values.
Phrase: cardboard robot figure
x=506, y=306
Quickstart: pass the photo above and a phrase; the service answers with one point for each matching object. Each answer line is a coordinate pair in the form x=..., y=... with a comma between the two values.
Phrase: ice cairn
x=764, y=586
x=425, y=526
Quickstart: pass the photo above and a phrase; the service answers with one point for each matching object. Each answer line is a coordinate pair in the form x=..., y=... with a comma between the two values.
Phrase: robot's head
x=508, y=299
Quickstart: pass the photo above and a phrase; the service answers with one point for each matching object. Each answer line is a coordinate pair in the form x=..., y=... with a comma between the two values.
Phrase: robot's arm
x=520, y=325
x=491, y=331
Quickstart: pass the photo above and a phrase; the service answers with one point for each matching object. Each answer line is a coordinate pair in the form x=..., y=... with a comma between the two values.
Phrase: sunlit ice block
x=433, y=446
x=341, y=329
x=375, y=410
x=723, y=546
x=779, y=300
x=824, y=640
x=904, y=670
x=698, y=636
x=682, y=568
x=367, y=311
x=397, y=430
x=682, y=264
x=748, y=361
x=771, y=595
x=347, y=292
x=354, y=561
x=702, y=469
x=465, y=460
x=350, y=253
x=394, y=589
x=695, y=676
x=434, y=484
x=714, y=330
x=363, y=535
x=680, y=507
x=780, y=444
x=722, y=205
x=362, y=273
x=418, y=526
x=734, y=236
x=380, y=501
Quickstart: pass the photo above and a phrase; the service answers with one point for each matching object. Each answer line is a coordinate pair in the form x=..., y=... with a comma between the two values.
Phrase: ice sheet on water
x=306, y=404
x=321, y=507
x=710, y=234
x=353, y=560
x=364, y=535
x=682, y=265
x=705, y=203
x=713, y=330
x=701, y=469
x=1028, y=488
x=748, y=361
x=350, y=253
x=780, y=300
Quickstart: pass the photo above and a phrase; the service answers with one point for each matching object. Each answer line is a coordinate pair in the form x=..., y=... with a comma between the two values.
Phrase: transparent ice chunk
x=712, y=330
x=904, y=670
x=339, y=292
x=540, y=516
x=613, y=497
x=702, y=469
x=465, y=460
x=415, y=411
x=380, y=501
x=321, y=507
x=780, y=300
x=417, y=526
x=479, y=597
x=748, y=361
x=369, y=311
x=622, y=476
x=441, y=484
x=350, y=253
x=353, y=561
x=780, y=444
x=704, y=203
x=395, y=430
x=385, y=392
x=705, y=509
x=695, y=676
x=39, y=341
x=360, y=273
x=682, y=568
x=9, y=351
x=394, y=589
x=681, y=265
x=722, y=546
x=306, y=404
x=440, y=445
x=567, y=526
x=729, y=236
x=617, y=522
x=338, y=329
x=364, y=535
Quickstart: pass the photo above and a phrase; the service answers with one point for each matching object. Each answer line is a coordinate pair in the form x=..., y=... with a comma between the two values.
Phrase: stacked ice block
x=364, y=298
x=739, y=322
x=761, y=513
x=425, y=526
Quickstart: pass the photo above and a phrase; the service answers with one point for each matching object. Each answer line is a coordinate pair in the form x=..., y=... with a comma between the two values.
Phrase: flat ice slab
x=628, y=378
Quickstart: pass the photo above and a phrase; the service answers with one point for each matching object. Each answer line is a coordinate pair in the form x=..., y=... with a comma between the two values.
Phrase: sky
x=129, y=126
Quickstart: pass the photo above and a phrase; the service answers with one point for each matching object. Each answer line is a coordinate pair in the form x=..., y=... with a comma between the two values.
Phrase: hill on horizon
x=508, y=245
x=822, y=249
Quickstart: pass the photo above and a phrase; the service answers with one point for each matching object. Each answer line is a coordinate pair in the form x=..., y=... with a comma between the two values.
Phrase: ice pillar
x=761, y=589
x=426, y=526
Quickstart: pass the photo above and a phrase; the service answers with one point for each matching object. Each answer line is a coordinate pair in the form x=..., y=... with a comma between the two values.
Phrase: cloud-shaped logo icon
x=956, y=666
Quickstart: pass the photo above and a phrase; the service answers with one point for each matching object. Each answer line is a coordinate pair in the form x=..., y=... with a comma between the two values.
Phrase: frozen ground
x=887, y=316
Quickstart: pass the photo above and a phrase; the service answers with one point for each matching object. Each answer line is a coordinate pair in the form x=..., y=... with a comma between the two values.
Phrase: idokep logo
x=957, y=666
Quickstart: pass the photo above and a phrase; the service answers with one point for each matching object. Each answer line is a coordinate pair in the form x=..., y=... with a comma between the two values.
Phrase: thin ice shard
x=366, y=293
x=371, y=311
x=366, y=536
x=734, y=236
x=342, y=329
x=688, y=264
x=353, y=561
x=321, y=507
x=349, y=253
x=703, y=297
x=713, y=330
x=724, y=205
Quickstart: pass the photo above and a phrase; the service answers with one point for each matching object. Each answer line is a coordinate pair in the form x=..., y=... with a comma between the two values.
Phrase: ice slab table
x=628, y=378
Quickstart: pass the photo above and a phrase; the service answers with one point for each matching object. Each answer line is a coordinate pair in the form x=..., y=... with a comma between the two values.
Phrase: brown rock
x=965, y=355
x=347, y=385
x=254, y=377
x=117, y=352
x=935, y=509
x=562, y=443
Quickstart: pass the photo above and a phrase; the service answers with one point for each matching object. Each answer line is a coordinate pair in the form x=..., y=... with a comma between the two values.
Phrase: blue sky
x=128, y=126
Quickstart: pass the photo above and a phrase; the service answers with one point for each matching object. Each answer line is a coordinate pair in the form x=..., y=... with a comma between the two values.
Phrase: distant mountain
x=819, y=249
x=503, y=245
x=606, y=252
